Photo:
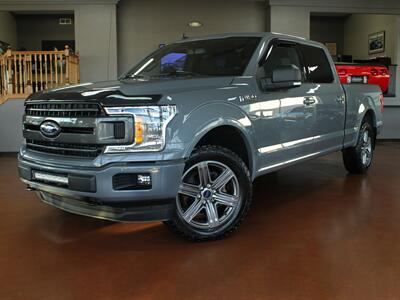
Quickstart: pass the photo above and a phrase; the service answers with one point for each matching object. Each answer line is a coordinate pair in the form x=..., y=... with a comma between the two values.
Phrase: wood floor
x=313, y=232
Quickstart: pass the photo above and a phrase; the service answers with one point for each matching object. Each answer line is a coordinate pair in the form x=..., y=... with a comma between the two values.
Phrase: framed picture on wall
x=376, y=42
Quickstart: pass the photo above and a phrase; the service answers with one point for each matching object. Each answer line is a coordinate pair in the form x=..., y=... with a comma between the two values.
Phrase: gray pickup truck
x=181, y=137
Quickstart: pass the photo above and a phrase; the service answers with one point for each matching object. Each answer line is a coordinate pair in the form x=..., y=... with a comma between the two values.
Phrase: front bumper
x=103, y=201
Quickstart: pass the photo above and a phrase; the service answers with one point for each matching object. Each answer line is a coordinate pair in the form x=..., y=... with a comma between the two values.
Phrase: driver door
x=285, y=118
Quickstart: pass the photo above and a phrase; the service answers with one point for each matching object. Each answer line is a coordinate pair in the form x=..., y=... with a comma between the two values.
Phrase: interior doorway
x=39, y=31
x=364, y=39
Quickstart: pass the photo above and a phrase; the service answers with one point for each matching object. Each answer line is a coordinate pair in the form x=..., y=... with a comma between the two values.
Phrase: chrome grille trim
x=85, y=128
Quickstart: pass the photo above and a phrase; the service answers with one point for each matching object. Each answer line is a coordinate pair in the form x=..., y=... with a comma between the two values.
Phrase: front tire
x=358, y=159
x=214, y=195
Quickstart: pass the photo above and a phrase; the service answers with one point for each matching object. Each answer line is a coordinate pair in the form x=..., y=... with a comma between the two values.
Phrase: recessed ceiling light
x=195, y=24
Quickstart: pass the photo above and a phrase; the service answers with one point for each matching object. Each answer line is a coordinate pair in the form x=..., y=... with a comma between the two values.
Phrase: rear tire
x=358, y=159
x=214, y=195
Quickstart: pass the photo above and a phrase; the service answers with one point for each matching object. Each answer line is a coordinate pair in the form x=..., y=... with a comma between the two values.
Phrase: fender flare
x=217, y=114
x=365, y=107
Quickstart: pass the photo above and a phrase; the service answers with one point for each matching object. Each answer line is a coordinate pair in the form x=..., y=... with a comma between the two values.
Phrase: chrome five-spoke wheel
x=209, y=195
x=358, y=159
x=213, y=196
x=366, y=149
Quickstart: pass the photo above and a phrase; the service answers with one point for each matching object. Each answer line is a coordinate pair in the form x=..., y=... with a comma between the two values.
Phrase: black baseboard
x=8, y=154
x=388, y=140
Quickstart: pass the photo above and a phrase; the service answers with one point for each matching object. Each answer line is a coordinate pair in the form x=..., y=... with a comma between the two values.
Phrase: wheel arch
x=230, y=137
x=366, y=110
x=208, y=119
x=370, y=114
x=228, y=134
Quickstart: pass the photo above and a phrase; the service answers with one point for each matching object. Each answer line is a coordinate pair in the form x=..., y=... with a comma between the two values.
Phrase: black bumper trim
x=82, y=183
x=160, y=211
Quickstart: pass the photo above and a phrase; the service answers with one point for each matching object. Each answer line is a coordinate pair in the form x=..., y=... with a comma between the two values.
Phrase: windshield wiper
x=136, y=77
x=164, y=75
x=177, y=74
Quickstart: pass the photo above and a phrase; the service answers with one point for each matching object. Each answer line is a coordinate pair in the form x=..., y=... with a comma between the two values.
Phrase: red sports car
x=369, y=74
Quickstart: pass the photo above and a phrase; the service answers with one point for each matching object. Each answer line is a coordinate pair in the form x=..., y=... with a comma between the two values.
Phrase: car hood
x=130, y=92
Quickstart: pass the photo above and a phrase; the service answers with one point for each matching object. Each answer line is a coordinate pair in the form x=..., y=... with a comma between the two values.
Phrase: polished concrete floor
x=313, y=233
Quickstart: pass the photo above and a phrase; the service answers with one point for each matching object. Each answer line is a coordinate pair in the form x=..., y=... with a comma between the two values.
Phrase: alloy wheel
x=366, y=148
x=209, y=195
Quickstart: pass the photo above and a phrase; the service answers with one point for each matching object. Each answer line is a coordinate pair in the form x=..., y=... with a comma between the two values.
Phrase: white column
x=396, y=58
x=290, y=20
x=96, y=41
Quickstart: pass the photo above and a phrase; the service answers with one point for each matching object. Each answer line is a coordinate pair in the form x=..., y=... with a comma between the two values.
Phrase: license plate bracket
x=357, y=79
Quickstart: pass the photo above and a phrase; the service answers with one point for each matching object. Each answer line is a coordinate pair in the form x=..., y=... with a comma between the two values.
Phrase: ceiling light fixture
x=195, y=24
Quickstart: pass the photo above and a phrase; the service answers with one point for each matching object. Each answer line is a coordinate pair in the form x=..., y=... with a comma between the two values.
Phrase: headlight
x=150, y=127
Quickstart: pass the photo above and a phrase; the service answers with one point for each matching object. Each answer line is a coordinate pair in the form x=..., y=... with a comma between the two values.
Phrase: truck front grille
x=83, y=129
x=64, y=109
x=81, y=150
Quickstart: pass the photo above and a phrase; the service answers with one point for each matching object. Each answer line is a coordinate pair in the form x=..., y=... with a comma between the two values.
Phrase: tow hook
x=93, y=202
x=30, y=189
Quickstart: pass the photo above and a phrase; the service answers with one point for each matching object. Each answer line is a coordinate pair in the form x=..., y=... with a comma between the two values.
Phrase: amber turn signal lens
x=138, y=132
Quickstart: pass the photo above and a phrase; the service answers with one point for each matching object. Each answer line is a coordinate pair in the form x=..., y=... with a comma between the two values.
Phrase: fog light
x=131, y=181
x=365, y=79
x=144, y=179
x=348, y=79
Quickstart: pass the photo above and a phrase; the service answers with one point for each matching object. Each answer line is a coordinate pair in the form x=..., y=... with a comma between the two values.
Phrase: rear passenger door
x=329, y=98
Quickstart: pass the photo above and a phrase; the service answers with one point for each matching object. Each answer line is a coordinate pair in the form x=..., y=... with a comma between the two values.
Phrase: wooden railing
x=26, y=72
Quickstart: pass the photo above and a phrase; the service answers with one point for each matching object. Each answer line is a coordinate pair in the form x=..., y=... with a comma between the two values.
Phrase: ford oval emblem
x=50, y=129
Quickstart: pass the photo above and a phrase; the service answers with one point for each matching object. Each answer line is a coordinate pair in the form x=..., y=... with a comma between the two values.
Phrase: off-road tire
x=353, y=159
x=224, y=156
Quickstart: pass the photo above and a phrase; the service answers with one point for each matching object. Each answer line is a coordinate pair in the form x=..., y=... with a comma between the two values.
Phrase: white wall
x=144, y=24
x=291, y=20
x=11, y=125
x=8, y=29
x=96, y=41
x=357, y=27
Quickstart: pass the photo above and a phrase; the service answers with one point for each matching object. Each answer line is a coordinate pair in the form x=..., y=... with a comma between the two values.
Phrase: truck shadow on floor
x=298, y=190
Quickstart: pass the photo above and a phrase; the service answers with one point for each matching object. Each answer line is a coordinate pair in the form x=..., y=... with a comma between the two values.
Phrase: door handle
x=309, y=100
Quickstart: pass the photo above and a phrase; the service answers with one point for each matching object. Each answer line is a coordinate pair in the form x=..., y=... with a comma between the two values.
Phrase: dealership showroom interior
x=209, y=149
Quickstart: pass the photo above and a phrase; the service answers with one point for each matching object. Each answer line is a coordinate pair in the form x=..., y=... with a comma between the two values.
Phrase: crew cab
x=361, y=73
x=181, y=137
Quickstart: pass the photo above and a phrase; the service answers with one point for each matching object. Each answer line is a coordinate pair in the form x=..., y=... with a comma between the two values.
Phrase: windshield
x=213, y=57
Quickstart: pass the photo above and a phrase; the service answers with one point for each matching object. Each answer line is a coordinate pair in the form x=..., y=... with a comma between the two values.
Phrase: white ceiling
x=57, y=2
x=47, y=12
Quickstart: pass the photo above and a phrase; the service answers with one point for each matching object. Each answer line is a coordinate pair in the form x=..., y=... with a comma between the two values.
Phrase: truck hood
x=129, y=92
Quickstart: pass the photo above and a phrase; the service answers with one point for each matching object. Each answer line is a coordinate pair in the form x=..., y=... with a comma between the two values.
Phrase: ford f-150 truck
x=181, y=136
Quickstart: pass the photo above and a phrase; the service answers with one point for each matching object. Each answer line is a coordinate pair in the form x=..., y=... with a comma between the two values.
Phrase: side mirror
x=283, y=77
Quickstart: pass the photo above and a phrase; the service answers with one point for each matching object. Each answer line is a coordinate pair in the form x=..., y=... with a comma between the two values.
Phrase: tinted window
x=280, y=55
x=172, y=62
x=213, y=57
x=317, y=65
